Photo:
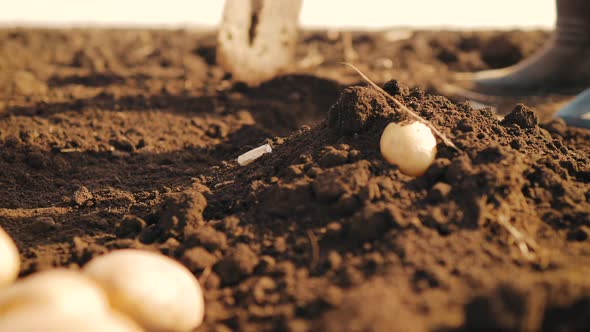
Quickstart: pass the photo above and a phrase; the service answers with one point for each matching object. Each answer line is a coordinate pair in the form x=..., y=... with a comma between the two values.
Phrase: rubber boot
x=563, y=63
x=577, y=112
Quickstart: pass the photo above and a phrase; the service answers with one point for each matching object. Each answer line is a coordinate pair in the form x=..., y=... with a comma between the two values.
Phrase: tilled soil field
x=128, y=139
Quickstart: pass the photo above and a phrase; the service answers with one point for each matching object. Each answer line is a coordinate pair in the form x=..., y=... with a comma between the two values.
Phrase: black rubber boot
x=563, y=63
x=577, y=113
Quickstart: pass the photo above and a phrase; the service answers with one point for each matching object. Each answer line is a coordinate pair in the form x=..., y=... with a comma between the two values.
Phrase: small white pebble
x=9, y=259
x=157, y=292
x=410, y=146
x=254, y=154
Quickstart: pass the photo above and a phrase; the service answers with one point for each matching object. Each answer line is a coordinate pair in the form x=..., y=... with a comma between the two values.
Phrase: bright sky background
x=335, y=13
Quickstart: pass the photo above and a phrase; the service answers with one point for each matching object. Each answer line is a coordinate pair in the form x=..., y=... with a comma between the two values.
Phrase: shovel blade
x=257, y=38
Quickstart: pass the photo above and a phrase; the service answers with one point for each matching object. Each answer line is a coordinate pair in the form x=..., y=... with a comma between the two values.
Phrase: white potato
x=44, y=317
x=65, y=291
x=157, y=292
x=9, y=259
x=410, y=146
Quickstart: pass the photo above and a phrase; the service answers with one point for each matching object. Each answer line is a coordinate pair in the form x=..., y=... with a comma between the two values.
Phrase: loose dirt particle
x=41, y=225
x=82, y=196
x=205, y=236
x=130, y=226
x=239, y=263
x=198, y=259
x=521, y=116
x=182, y=209
x=355, y=110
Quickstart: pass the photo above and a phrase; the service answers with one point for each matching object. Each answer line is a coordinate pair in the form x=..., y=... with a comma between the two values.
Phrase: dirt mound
x=511, y=195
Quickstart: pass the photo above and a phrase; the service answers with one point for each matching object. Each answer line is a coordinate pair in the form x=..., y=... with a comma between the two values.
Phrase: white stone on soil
x=254, y=154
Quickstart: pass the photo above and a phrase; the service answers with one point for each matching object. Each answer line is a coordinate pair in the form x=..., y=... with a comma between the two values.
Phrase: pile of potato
x=123, y=291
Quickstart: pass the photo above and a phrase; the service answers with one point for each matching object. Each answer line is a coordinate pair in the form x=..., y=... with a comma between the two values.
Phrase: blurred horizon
x=371, y=14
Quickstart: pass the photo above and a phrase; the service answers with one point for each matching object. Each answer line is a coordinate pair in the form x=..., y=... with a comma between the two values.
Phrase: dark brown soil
x=119, y=139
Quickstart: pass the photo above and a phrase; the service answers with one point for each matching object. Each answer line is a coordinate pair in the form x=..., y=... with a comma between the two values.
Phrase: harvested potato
x=9, y=259
x=44, y=317
x=409, y=146
x=156, y=291
x=65, y=291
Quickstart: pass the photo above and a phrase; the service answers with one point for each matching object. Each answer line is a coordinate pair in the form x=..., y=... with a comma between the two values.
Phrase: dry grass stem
x=205, y=275
x=315, y=249
x=527, y=245
x=411, y=113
